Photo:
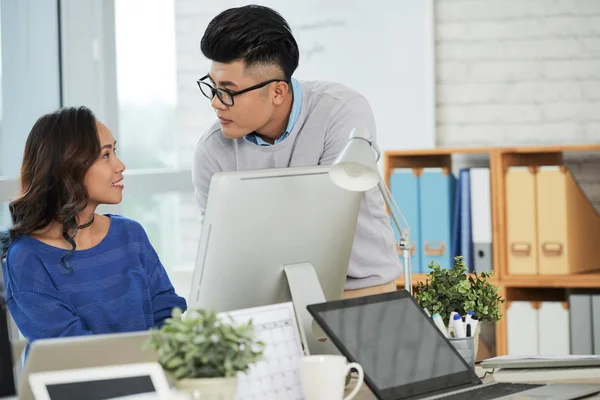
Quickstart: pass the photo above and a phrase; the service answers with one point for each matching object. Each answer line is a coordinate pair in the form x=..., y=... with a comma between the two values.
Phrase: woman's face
x=104, y=180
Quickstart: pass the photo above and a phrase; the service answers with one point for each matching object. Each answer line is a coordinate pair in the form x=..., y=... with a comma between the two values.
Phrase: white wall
x=520, y=72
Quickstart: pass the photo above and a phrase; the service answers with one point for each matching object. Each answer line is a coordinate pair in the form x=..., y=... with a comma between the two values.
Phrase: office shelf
x=416, y=278
x=500, y=159
x=583, y=281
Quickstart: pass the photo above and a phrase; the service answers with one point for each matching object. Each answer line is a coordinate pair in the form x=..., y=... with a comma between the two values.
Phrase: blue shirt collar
x=294, y=114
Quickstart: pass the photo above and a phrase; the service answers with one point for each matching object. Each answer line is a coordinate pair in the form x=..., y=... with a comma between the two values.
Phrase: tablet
x=101, y=383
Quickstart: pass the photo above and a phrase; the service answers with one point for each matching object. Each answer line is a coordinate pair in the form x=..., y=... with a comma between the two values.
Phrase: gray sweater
x=329, y=112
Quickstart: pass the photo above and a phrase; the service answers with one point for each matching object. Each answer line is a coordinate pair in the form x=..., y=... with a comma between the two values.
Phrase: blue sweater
x=119, y=285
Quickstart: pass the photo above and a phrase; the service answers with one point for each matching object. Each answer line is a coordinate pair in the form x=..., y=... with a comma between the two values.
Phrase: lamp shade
x=356, y=167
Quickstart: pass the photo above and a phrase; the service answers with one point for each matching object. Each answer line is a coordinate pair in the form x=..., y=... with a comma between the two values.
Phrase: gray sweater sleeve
x=204, y=166
x=354, y=113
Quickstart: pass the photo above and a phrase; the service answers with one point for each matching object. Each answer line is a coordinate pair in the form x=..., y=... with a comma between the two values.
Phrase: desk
x=366, y=394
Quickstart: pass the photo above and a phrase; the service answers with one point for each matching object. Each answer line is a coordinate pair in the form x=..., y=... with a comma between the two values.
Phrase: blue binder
x=437, y=200
x=404, y=187
x=456, y=220
x=466, y=236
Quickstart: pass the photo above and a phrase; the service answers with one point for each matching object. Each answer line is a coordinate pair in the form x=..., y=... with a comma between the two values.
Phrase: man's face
x=251, y=110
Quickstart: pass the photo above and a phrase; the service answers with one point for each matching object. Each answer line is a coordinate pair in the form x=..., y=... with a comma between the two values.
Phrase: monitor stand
x=305, y=289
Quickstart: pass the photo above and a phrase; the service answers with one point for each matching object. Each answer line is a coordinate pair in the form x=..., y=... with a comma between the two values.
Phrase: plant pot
x=476, y=339
x=208, y=388
x=485, y=340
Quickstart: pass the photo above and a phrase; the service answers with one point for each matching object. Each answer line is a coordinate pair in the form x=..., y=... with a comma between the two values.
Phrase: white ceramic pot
x=208, y=388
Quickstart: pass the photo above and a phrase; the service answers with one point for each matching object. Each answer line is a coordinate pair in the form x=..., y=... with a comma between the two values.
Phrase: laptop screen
x=400, y=349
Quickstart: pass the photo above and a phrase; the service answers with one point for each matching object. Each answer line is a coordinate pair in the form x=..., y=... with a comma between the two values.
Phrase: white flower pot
x=208, y=388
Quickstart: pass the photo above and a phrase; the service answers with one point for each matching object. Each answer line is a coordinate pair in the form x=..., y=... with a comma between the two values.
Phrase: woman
x=68, y=270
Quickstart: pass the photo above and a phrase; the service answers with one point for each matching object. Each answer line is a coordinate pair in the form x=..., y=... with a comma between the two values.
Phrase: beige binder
x=568, y=224
x=521, y=224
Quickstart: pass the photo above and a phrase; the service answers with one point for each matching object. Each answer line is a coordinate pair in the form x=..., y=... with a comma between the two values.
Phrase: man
x=267, y=119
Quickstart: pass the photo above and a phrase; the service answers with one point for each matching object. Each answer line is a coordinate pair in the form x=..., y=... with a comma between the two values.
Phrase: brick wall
x=513, y=72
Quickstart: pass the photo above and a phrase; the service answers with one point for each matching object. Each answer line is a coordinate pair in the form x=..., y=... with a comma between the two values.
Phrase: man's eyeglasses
x=226, y=96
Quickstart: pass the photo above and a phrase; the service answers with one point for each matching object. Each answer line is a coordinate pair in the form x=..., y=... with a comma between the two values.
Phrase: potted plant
x=452, y=289
x=203, y=352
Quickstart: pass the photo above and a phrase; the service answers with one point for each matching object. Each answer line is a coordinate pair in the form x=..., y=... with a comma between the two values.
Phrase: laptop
x=83, y=352
x=405, y=356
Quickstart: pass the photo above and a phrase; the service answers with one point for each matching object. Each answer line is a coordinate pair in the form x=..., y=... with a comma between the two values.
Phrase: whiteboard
x=384, y=49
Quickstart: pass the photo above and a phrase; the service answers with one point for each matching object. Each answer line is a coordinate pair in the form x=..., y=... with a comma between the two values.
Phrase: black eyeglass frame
x=219, y=91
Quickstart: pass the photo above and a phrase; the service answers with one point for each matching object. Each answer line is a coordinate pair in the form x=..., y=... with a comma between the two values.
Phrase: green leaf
x=200, y=344
x=446, y=290
x=174, y=362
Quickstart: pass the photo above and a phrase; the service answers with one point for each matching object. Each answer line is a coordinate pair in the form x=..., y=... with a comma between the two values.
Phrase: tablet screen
x=101, y=389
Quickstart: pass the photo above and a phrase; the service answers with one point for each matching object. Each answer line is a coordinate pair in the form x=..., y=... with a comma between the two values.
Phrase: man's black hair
x=257, y=35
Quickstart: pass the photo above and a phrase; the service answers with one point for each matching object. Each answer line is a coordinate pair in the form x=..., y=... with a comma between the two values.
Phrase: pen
x=468, y=317
x=437, y=320
x=457, y=327
x=473, y=323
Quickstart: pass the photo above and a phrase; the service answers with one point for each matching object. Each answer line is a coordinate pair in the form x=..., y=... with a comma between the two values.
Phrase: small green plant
x=447, y=290
x=202, y=345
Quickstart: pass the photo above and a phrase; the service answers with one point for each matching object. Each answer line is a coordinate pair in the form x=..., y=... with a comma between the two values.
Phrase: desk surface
x=366, y=394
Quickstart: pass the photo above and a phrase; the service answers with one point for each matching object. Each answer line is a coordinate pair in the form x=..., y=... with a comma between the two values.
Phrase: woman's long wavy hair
x=60, y=149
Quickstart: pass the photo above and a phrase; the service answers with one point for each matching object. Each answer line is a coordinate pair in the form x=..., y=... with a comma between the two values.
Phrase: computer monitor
x=275, y=235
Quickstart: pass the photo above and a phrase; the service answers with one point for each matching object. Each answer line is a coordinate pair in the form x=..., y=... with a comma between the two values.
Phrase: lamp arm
x=404, y=243
x=387, y=198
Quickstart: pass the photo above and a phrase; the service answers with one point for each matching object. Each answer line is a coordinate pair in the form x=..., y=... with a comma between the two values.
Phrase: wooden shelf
x=552, y=281
x=511, y=287
x=439, y=151
x=416, y=278
x=552, y=149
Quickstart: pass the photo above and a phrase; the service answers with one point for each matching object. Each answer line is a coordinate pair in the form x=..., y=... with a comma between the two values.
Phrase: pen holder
x=466, y=348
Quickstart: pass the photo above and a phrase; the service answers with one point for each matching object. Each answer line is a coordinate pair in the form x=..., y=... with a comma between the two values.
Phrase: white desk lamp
x=356, y=169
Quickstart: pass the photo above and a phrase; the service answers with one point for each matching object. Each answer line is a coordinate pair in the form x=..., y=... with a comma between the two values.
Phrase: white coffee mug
x=323, y=377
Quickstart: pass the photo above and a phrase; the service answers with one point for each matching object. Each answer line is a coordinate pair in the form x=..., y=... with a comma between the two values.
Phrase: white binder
x=481, y=219
x=554, y=337
x=522, y=328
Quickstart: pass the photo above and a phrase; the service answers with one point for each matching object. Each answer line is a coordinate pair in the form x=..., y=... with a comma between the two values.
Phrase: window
x=29, y=82
x=4, y=215
x=146, y=82
x=149, y=63
x=149, y=136
x=1, y=96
